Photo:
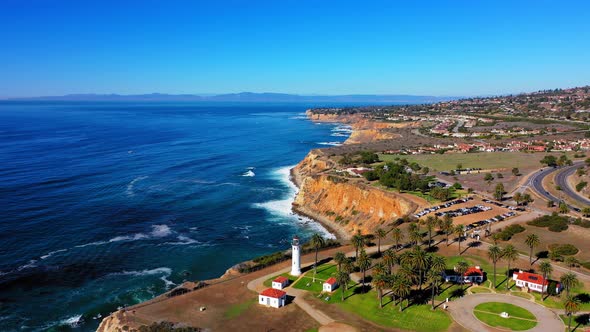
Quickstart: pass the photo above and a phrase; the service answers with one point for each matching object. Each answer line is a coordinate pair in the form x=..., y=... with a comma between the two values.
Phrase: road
x=535, y=182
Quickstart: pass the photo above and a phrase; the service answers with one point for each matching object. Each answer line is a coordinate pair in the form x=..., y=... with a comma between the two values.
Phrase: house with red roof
x=532, y=281
x=271, y=297
x=474, y=274
x=330, y=285
x=280, y=282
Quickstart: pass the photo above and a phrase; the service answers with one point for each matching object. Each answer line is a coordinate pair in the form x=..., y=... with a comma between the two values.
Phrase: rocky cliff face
x=344, y=205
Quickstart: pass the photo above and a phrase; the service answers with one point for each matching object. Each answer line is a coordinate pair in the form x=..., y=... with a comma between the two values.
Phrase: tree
x=419, y=260
x=461, y=268
x=397, y=236
x=526, y=199
x=343, y=279
x=515, y=171
x=488, y=178
x=340, y=258
x=586, y=211
x=317, y=241
x=425, y=170
x=380, y=268
x=571, y=262
x=380, y=233
x=494, y=254
x=401, y=288
x=415, y=237
x=447, y=226
x=459, y=231
x=434, y=279
x=550, y=161
x=563, y=208
x=459, y=166
x=568, y=281
x=358, y=242
x=510, y=254
x=430, y=223
x=532, y=241
x=379, y=282
x=545, y=268
x=389, y=258
x=364, y=263
x=517, y=197
x=572, y=306
x=499, y=192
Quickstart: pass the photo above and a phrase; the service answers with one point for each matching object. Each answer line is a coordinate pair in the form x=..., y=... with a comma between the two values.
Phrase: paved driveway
x=462, y=312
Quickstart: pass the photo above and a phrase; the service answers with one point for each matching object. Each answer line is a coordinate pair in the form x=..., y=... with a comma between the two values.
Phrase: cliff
x=344, y=205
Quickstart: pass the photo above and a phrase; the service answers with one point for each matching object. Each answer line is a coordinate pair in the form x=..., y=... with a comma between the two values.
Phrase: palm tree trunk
x=569, y=324
x=429, y=238
x=432, y=296
x=508, y=278
x=379, y=246
x=363, y=281
x=342, y=292
x=380, y=298
x=459, y=244
x=543, y=288
x=494, y=275
x=447, y=239
x=420, y=275
x=531, y=256
x=315, y=266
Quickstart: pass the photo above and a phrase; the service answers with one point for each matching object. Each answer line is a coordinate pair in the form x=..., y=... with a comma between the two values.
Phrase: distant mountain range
x=246, y=97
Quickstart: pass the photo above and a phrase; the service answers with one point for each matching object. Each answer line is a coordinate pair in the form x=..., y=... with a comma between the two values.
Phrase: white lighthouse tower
x=295, y=257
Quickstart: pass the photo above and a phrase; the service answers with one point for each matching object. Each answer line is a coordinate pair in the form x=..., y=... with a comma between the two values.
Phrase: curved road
x=535, y=182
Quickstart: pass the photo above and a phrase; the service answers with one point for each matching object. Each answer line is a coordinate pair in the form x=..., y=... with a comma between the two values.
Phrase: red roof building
x=474, y=274
x=281, y=279
x=532, y=281
x=331, y=281
x=330, y=285
x=274, y=293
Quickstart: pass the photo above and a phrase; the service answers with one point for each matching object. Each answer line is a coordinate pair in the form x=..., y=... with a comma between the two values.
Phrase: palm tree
x=401, y=288
x=343, y=278
x=430, y=223
x=358, y=242
x=571, y=262
x=415, y=237
x=532, y=240
x=418, y=259
x=510, y=254
x=545, y=268
x=447, y=226
x=380, y=281
x=459, y=231
x=434, y=279
x=568, y=281
x=389, y=258
x=317, y=241
x=380, y=233
x=364, y=263
x=380, y=268
x=339, y=258
x=494, y=254
x=397, y=236
x=437, y=264
x=461, y=268
x=572, y=306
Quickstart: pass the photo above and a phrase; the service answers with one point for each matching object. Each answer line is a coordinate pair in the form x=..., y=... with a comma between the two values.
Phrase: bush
x=563, y=249
x=167, y=327
x=509, y=231
x=581, y=185
x=554, y=222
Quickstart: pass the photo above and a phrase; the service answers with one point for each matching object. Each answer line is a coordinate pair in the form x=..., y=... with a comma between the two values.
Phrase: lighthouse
x=295, y=257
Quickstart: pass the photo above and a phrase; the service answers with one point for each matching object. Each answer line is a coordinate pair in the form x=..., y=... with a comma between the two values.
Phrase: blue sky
x=305, y=47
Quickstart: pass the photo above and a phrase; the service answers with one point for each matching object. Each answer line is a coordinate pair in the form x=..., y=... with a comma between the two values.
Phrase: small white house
x=532, y=281
x=330, y=285
x=272, y=298
x=280, y=282
x=473, y=275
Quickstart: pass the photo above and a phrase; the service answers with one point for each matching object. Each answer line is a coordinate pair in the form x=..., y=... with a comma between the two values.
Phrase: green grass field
x=511, y=309
x=514, y=324
x=484, y=160
x=415, y=318
x=477, y=290
x=325, y=271
x=237, y=309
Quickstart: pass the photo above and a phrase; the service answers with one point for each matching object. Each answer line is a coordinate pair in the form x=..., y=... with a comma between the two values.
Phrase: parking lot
x=492, y=209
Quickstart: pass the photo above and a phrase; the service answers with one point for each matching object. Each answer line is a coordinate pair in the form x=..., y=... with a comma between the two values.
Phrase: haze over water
x=109, y=204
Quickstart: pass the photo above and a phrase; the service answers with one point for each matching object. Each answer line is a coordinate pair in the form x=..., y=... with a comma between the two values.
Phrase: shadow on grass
x=320, y=262
x=432, y=249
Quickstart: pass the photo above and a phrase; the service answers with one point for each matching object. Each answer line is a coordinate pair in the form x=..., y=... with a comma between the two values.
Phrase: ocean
x=109, y=204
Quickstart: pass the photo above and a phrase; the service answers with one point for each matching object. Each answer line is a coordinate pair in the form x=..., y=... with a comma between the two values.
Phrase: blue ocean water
x=108, y=204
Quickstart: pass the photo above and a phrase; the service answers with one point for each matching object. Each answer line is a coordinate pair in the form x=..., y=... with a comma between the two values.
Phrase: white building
x=330, y=285
x=280, y=282
x=473, y=274
x=532, y=281
x=295, y=257
x=271, y=297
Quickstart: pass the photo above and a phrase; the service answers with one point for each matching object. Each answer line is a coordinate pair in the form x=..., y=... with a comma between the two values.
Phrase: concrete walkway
x=462, y=312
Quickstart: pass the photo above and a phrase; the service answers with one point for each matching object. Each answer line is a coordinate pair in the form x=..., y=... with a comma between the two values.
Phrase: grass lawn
x=522, y=294
x=325, y=271
x=477, y=290
x=514, y=324
x=556, y=302
x=485, y=160
x=237, y=309
x=268, y=282
x=578, y=321
x=451, y=291
x=511, y=309
x=416, y=317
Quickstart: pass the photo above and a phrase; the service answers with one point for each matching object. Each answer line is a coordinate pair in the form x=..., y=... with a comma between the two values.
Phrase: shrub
x=507, y=233
x=554, y=222
x=581, y=185
x=563, y=249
